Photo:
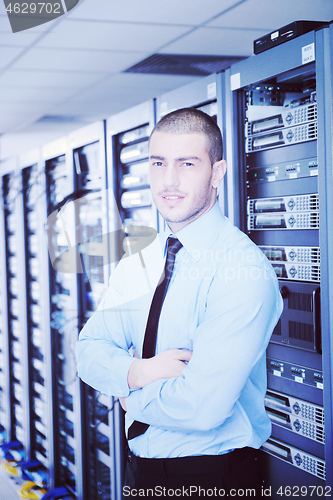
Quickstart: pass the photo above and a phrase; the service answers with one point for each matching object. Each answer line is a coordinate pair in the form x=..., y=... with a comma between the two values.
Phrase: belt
x=180, y=466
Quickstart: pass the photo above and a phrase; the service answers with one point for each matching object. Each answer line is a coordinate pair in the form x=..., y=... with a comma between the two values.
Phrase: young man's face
x=182, y=180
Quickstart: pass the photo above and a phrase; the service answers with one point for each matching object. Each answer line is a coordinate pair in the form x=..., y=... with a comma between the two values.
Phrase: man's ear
x=219, y=170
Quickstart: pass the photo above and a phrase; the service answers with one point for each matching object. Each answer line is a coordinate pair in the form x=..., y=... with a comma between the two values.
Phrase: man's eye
x=187, y=164
x=157, y=164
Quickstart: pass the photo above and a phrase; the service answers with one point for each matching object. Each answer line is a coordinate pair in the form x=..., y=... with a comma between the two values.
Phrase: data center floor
x=8, y=489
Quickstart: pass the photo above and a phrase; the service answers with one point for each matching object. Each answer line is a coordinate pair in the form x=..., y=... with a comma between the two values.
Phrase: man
x=202, y=391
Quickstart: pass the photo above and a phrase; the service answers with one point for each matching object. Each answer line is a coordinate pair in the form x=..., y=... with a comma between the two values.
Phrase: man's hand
x=166, y=364
x=122, y=401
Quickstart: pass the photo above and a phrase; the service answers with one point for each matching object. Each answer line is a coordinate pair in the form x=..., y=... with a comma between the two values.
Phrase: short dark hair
x=189, y=121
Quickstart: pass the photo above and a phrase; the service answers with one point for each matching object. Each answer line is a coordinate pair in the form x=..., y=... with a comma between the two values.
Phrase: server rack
x=207, y=95
x=63, y=319
x=127, y=145
x=4, y=368
x=280, y=159
x=133, y=217
x=5, y=406
x=16, y=401
x=3, y=364
x=87, y=154
x=8, y=166
x=39, y=468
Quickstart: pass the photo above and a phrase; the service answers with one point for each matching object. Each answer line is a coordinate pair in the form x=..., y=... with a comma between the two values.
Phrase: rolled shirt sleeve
x=106, y=343
x=101, y=362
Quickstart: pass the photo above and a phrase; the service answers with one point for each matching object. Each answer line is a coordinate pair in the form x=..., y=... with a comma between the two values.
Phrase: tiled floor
x=8, y=488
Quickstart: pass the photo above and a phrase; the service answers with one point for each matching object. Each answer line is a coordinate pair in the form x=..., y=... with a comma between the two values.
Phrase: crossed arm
x=167, y=364
x=227, y=344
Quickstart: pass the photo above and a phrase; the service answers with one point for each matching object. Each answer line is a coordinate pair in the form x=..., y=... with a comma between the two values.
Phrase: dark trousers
x=234, y=474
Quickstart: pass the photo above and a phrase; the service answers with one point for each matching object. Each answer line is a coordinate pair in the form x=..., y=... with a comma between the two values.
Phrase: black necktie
x=149, y=343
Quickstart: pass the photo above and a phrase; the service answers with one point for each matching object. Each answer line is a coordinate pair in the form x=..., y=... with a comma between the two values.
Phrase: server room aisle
x=8, y=489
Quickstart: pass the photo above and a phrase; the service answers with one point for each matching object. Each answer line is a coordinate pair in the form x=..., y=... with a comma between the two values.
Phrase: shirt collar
x=197, y=236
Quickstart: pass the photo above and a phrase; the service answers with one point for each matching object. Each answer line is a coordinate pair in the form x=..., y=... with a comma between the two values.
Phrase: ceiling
x=70, y=71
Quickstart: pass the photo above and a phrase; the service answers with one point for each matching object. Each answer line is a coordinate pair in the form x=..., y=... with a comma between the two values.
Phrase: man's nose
x=171, y=177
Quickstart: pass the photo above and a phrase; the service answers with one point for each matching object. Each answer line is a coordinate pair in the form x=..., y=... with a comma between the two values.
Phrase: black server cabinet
x=88, y=155
x=5, y=404
x=278, y=143
x=17, y=427
x=39, y=469
x=60, y=232
x=131, y=207
x=4, y=367
x=205, y=94
x=133, y=218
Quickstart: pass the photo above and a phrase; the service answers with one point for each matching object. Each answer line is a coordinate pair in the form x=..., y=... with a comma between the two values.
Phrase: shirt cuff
x=122, y=370
x=138, y=400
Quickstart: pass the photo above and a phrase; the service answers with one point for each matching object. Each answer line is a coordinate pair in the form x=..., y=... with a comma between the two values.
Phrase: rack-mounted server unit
x=132, y=209
x=88, y=157
x=15, y=326
x=39, y=469
x=278, y=143
x=63, y=318
x=5, y=405
x=8, y=168
x=4, y=369
x=133, y=218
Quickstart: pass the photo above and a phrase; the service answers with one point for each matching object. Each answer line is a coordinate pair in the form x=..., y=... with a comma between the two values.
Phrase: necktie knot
x=174, y=245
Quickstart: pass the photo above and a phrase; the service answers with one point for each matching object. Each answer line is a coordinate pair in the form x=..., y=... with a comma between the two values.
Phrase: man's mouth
x=172, y=196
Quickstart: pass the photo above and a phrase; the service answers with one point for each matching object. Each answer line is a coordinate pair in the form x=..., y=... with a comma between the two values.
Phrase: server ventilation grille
x=57, y=119
x=174, y=64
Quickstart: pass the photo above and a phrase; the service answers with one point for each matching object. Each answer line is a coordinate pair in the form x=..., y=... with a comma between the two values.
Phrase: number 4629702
x=34, y=8
x=304, y=491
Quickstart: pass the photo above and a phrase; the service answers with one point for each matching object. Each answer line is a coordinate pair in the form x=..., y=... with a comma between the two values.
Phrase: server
x=63, y=320
x=40, y=467
x=15, y=368
x=281, y=170
x=5, y=407
x=87, y=153
x=4, y=369
x=132, y=209
x=133, y=218
x=77, y=228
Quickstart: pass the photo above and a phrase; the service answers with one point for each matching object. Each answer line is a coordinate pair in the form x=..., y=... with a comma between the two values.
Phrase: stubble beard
x=191, y=213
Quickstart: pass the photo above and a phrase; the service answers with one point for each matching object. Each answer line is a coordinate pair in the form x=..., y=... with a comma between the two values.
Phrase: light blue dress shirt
x=222, y=303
